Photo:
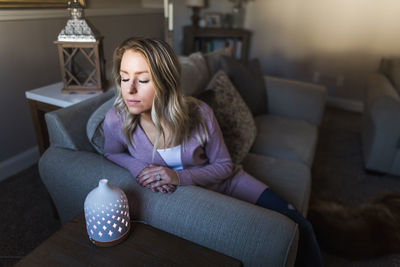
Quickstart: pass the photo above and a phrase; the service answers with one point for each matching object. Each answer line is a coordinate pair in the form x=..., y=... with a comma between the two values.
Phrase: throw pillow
x=233, y=115
x=94, y=127
x=249, y=81
x=194, y=74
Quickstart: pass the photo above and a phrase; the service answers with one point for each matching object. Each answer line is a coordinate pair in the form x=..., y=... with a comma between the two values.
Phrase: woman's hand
x=158, y=178
x=167, y=188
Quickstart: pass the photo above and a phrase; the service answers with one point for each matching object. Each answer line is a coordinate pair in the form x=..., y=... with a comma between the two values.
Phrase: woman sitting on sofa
x=166, y=139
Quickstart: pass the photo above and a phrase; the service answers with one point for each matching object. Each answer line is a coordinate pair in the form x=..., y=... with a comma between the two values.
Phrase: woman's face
x=136, y=83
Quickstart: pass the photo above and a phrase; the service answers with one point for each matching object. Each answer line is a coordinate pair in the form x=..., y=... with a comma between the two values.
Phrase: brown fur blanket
x=365, y=231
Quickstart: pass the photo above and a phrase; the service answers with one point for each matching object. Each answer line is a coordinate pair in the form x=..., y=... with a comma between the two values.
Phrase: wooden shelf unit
x=194, y=39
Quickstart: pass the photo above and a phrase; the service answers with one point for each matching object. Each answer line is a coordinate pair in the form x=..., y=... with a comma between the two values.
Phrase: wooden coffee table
x=145, y=246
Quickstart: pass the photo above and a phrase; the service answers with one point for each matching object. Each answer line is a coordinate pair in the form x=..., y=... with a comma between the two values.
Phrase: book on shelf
x=238, y=49
x=210, y=45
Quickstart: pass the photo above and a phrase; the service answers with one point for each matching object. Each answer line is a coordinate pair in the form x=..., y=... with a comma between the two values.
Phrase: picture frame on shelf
x=213, y=20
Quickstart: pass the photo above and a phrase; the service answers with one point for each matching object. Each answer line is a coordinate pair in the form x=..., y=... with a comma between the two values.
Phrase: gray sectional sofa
x=281, y=156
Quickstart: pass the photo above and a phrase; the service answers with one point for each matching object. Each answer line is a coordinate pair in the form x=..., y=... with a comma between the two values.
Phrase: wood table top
x=145, y=246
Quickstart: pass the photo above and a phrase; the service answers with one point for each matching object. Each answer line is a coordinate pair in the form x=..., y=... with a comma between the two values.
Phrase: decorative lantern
x=78, y=50
x=107, y=215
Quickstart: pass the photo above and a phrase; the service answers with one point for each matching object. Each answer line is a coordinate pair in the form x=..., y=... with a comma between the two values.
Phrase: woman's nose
x=132, y=88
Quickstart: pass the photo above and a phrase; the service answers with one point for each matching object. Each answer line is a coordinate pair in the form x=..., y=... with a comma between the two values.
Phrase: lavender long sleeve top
x=208, y=166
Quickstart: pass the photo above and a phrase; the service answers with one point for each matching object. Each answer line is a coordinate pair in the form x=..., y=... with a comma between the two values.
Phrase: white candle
x=165, y=8
x=171, y=17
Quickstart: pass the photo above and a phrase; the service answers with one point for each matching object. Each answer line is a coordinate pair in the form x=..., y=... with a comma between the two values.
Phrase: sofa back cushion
x=233, y=115
x=249, y=81
x=214, y=59
x=94, y=127
x=390, y=67
x=194, y=74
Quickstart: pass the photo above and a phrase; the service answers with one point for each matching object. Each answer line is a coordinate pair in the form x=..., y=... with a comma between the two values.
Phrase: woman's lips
x=133, y=102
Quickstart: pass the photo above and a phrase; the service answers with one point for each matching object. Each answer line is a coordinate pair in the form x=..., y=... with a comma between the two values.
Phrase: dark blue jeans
x=308, y=252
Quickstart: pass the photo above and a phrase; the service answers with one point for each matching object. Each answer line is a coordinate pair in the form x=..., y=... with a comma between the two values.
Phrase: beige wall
x=341, y=38
x=28, y=59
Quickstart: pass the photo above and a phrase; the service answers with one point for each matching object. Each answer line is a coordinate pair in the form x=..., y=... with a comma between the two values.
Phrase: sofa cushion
x=94, y=126
x=285, y=138
x=194, y=74
x=290, y=180
x=390, y=67
x=214, y=59
x=249, y=81
x=233, y=115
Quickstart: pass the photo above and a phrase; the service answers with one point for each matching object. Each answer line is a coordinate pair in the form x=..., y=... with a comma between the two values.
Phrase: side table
x=145, y=246
x=46, y=99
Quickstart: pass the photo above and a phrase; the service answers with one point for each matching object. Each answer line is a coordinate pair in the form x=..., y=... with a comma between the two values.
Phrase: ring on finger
x=158, y=177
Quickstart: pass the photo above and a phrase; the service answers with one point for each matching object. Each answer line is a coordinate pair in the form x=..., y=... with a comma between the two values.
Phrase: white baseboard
x=346, y=104
x=18, y=162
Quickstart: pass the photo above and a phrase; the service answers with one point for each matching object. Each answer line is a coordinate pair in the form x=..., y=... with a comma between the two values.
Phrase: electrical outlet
x=316, y=77
x=339, y=81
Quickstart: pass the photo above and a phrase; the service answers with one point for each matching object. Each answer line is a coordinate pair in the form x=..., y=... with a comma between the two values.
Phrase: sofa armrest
x=67, y=126
x=254, y=235
x=381, y=127
x=295, y=99
x=383, y=106
x=379, y=86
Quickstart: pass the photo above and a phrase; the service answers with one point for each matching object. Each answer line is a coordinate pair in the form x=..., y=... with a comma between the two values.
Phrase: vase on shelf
x=237, y=16
x=238, y=12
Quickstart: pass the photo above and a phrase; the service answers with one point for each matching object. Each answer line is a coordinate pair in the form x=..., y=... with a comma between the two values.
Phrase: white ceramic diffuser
x=107, y=215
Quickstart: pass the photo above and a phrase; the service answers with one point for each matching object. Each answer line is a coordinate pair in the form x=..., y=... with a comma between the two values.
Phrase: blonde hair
x=178, y=113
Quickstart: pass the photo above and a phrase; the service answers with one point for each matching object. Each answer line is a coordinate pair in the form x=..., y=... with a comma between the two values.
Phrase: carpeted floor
x=338, y=174
x=338, y=171
x=28, y=217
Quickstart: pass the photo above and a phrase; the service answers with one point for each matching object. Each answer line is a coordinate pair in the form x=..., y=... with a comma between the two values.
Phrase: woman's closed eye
x=144, y=81
x=124, y=80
